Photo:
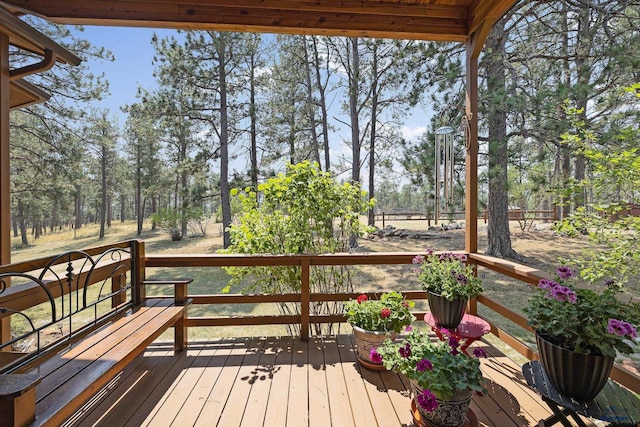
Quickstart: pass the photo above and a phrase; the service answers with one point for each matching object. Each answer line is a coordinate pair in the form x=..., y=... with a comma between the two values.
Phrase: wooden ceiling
x=439, y=20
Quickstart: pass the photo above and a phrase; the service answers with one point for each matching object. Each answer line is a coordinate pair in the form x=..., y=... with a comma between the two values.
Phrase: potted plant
x=579, y=332
x=449, y=283
x=442, y=377
x=373, y=321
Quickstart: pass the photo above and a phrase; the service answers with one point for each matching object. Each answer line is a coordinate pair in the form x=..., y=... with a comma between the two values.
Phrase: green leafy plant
x=439, y=368
x=390, y=313
x=302, y=211
x=447, y=274
x=613, y=180
x=582, y=320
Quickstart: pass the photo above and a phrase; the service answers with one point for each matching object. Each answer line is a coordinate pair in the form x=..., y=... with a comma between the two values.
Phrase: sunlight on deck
x=280, y=381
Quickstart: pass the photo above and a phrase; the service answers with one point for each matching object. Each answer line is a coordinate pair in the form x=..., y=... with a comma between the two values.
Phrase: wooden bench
x=52, y=386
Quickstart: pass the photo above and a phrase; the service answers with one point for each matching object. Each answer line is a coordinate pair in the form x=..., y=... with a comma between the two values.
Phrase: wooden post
x=5, y=174
x=471, y=173
x=181, y=293
x=138, y=275
x=18, y=399
x=117, y=285
x=474, y=47
x=305, y=300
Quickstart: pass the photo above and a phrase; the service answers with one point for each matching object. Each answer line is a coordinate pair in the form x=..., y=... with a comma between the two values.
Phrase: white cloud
x=413, y=133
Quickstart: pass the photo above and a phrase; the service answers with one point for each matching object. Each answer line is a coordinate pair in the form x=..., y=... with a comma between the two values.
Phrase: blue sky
x=132, y=66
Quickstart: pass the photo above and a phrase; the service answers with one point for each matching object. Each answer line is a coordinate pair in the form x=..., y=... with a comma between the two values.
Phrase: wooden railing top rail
x=509, y=268
x=241, y=260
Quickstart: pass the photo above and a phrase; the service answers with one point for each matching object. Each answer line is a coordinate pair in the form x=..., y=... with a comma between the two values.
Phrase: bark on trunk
x=498, y=237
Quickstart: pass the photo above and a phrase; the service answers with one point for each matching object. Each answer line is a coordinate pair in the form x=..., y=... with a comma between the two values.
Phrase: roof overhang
x=22, y=94
x=439, y=20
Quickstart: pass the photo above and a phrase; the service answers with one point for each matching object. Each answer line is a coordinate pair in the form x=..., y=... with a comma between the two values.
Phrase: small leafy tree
x=615, y=182
x=302, y=211
x=170, y=219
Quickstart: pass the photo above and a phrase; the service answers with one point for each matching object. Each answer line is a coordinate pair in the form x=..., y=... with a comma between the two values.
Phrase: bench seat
x=71, y=377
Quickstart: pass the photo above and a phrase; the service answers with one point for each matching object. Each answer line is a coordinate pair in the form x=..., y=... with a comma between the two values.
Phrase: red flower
x=385, y=312
x=362, y=298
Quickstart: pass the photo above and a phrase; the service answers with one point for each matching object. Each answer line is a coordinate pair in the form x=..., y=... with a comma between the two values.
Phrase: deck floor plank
x=217, y=399
x=212, y=364
x=338, y=393
x=363, y=414
x=276, y=415
x=319, y=412
x=298, y=404
x=239, y=394
x=277, y=382
x=261, y=384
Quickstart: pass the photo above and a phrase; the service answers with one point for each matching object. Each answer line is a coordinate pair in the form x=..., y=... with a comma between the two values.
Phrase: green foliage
x=302, y=211
x=390, y=313
x=579, y=319
x=170, y=219
x=614, y=180
x=437, y=366
x=447, y=274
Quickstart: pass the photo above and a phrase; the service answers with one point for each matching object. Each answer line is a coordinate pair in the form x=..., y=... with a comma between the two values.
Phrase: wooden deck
x=285, y=382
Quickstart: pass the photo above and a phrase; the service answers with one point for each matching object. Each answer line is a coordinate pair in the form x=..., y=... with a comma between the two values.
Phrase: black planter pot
x=447, y=314
x=576, y=375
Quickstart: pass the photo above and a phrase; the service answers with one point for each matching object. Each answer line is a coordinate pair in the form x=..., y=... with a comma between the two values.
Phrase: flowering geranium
x=582, y=320
x=439, y=368
x=388, y=314
x=447, y=274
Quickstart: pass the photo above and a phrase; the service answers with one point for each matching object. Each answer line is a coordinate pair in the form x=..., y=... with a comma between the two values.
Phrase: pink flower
x=427, y=401
x=385, y=312
x=564, y=272
x=405, y=351
x=362, y=298
x=479, y=352
x=418, y=259
x=375, y=356
x=621, y=328
x=409, y=328
x=454, y=343
x=424, y=365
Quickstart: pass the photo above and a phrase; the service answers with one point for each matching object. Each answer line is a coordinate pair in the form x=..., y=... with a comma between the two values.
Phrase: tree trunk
x=154, y=209
x=23, y=224
x=323, y=105
x=254, y=120
x=583, y=68
x=55, y=215
x=372, y=141
x=104, y=198
x=310, y=104
x=122, y=207
x=354, y=89
x=225, y=197
x=498, y=237
x=78, y=207
x=14, y=224
x=109, y=210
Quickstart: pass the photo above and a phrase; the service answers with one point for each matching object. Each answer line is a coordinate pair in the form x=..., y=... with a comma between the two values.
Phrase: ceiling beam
x=488, y=12
x=390, y=19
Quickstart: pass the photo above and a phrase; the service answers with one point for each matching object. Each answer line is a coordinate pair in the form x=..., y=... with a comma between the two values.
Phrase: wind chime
x=444, y=159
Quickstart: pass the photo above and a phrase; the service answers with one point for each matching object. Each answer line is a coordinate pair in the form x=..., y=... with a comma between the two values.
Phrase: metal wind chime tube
x=444, y=159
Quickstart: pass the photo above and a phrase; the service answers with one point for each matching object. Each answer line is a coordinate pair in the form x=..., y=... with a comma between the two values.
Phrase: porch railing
x=140, y=262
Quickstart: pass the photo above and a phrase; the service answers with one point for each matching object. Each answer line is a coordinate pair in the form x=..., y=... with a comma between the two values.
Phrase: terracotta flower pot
x=447, y=314
x=365, y=341
x=575, y=375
